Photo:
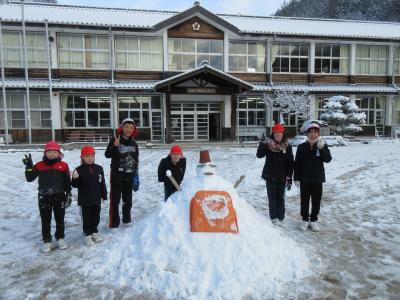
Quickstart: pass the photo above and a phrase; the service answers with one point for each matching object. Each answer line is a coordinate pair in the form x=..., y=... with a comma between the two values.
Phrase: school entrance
x=196, y=121
x=200, y=104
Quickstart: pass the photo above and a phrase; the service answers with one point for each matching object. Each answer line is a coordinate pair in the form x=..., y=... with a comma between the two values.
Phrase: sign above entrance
x=199, y=90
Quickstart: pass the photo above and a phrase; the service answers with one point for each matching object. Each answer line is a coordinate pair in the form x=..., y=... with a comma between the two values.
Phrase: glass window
x=86, y=111
x=396, y=110
x=251, y=111
x=247, y=56
x=138, y=108
x=373, y=107
x=371, y=60
x=397, y=60
x=83, y=51
x=290, y=57
x=36, y=49
x=186, y=54
x=332, y=59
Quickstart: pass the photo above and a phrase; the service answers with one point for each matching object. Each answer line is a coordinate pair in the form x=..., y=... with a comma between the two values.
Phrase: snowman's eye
x=213, y=166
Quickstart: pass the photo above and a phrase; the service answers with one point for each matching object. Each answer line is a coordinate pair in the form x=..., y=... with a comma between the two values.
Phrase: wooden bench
x=87, y=136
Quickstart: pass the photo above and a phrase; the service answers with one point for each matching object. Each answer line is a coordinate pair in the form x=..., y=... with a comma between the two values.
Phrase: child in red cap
x=175, y=165
x=54, y=191
x=91, y=184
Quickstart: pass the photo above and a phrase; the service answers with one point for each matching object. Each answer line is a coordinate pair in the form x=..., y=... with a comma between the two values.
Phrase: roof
x=81, y=84
x=203, y=70
x=153, y=19
x=328, y=88
x=150, y=85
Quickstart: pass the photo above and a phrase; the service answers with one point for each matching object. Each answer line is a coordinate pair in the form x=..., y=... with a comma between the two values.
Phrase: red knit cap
x=176, y=150
x=278, y=128
x=52, y=145
x=87, y=150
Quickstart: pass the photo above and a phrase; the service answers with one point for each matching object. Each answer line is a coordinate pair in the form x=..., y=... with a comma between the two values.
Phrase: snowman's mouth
x=208, y=173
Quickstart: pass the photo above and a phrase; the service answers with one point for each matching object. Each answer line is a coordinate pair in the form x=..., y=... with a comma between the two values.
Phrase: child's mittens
x=320, y=143
x=135, y=182
x=75, y=174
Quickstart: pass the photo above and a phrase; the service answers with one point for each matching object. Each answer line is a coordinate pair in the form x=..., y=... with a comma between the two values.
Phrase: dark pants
x=47, y=204
x=121, y=184
x=307, y=190
x=167, y=193
x=90, y=218
x=276, y=199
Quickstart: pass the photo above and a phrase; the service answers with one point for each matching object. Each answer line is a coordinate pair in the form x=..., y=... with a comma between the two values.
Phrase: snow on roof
x=349, y=88
x=135, y=18
x=81, y=84
x=83, y=15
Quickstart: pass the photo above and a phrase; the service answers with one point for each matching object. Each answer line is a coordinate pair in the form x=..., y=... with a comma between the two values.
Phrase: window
x=371, y=60
x=251, y=111
x=373, y=107
x=138, y=108
x=332, y=59
x=83, y=51
x=40, y=111
x=138, y=53
x=397, y=60
x=290, y=57
x=246, y=56
x=287, y=119
x=36, y=49
x=396, y=110
x=16, y=111
x=320, y=101
x=86, y=111
x=185, y=54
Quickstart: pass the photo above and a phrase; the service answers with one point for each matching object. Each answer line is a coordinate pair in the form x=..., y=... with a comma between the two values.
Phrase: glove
x=320, y=143
x=68, y=201
x=289, y=183
x=75, y=174
x=27, y=161
x=135, y=182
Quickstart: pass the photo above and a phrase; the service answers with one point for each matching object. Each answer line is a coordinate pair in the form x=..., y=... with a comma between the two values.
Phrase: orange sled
x=212, y=211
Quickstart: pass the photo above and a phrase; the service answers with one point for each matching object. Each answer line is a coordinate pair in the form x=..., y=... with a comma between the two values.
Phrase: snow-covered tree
x=342, y=115
x=289, y=102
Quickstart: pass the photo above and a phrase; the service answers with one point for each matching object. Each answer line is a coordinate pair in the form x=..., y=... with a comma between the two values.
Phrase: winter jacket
x=278, y=162
x=124, y=158
x=309, y=163
x=54, y=177
x=91, y=184
x=177, y=170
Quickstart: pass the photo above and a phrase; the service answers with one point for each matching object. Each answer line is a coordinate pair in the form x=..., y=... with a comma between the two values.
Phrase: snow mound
x=160, y=256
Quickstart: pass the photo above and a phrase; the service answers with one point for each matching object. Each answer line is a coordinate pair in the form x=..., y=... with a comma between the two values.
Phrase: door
x=214, y=126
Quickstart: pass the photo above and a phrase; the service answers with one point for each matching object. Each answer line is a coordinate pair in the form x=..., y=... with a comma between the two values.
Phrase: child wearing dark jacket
x=54, y=191
x=277, y=171
x=175, y=163
x=91, y=184
x=124, y=153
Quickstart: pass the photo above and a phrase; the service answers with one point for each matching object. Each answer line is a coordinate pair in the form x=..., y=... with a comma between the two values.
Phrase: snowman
x=211, y=199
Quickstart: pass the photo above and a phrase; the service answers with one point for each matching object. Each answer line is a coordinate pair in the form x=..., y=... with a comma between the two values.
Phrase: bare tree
x=289, y=102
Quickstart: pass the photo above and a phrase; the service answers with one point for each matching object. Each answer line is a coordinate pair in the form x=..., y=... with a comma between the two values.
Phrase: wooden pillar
x=233, y=116
x=168, y=136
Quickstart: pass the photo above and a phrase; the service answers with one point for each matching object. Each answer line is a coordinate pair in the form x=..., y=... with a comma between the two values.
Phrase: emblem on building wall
x=196, y=26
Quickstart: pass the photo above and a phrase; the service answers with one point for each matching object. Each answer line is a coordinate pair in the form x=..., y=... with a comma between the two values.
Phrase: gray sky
x=245, y=7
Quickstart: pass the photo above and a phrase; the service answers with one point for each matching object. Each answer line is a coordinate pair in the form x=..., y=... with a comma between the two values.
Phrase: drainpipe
x=49, y=66
x=28, y=103
x=3, y=81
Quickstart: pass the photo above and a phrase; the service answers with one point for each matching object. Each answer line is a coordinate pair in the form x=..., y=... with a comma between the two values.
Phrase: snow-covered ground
x=355, y=256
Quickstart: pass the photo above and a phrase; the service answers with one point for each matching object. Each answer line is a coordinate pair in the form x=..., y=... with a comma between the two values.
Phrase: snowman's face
x=206, y=169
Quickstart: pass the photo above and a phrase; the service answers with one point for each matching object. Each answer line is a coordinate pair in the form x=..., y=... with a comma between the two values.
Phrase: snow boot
x=280, y=223
x=96, y=237
x=47, y=247
x=274, y=221
x=89, y=240
x=62, y=244
x=304, y=225
x=314, y=226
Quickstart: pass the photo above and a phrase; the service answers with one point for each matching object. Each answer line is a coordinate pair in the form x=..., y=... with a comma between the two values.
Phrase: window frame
x=371, y=109
x=370, y=60
x=247, y=55
x=254, y=110
x=196, y=54
x=290, y=57
x=331, y=58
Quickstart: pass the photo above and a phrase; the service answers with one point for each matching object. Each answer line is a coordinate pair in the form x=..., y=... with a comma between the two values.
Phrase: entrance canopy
x=204, y=80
